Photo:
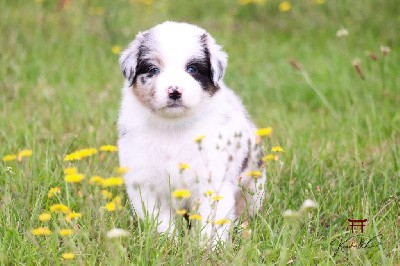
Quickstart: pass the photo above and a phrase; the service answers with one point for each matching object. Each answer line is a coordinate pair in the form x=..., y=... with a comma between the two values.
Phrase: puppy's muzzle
x=174, y=93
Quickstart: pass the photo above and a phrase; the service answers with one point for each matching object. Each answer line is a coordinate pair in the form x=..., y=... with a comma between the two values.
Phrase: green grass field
x=60, y=90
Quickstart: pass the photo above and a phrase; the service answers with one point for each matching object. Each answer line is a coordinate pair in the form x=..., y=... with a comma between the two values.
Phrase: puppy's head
x=174, y=68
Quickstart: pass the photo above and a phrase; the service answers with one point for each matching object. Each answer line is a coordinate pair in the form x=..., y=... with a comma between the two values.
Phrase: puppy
x=174, y=93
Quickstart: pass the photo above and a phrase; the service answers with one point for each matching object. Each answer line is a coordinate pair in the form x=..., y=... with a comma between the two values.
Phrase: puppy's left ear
x=218, y=59
x=129, y=57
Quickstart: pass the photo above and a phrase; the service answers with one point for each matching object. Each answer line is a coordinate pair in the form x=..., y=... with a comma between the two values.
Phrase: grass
x=60, y=90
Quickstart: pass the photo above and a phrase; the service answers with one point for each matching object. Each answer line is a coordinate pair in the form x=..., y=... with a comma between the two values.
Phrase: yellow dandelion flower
x=39, y=1
x=222, y=221
x=41, y=231
x=181, y=212
x=9, y=157
x=285, y=6
x=68, y=256
x=110, y=206
x=195, y=217
x=53, y=191
x=112, y=182
x=74, y=178
x=115, y=204
x=24, y=153
x=209, y=192
x=264, y=132
x=270, y=157
x=147, y=2
x=319, y=2
x=217, y=197
x=106, y=194
x=80, y=154
x=181, y=193
x=73, y=215
x=199, y=138
x=60, y=208
x=277, y=149
x=121, y=170
x=96, y=180
x=109, y=148
x=44, y=217
x=183, y=166
x=118, y=200
x=70, y=170
x=66, y=232
x=254, y=174
x=99, y=11
x=116, y=49
x=246, y=2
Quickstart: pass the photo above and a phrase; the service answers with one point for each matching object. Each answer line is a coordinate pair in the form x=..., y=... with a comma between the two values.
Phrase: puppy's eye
x=154, y=70
x=191, y=70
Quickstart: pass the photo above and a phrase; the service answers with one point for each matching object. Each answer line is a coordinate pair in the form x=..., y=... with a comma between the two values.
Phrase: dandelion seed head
x=385, y=50
x=117, y=233
x=309, y=205
x=342, y=32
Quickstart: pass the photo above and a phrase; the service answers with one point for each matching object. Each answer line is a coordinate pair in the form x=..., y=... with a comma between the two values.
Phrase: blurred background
x=59, y=72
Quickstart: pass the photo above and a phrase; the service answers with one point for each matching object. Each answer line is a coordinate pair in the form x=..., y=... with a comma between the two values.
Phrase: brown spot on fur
x=145, y=95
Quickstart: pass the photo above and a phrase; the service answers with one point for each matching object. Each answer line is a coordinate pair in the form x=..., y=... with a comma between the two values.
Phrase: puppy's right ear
x=129, y=57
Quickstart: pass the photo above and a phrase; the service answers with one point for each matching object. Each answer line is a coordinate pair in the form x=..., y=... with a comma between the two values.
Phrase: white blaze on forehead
x=178, y=42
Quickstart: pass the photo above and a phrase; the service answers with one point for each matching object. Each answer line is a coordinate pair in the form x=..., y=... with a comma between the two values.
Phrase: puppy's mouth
x=174, y=105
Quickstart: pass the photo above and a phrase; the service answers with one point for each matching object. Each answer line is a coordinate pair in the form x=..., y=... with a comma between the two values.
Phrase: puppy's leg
x=251, y=196
x=147, y=205
x=218, y=214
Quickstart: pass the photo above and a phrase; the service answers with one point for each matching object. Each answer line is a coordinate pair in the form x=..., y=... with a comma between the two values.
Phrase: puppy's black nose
x=174, y=93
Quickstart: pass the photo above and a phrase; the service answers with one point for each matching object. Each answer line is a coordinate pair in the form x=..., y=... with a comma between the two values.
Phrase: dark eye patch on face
x=143, y=67
x=202, y=74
